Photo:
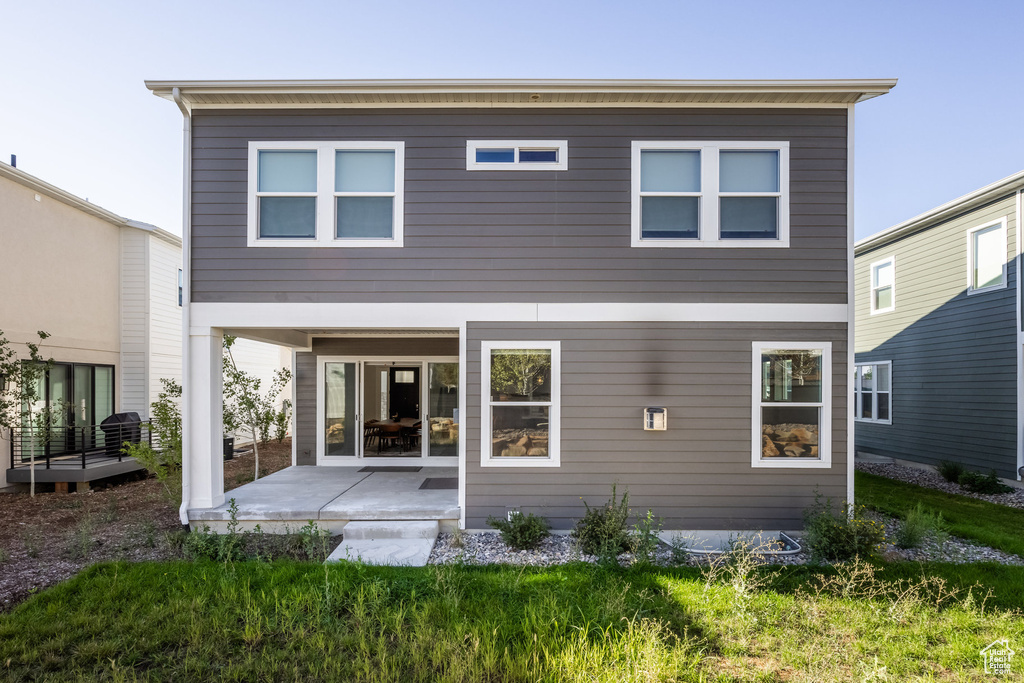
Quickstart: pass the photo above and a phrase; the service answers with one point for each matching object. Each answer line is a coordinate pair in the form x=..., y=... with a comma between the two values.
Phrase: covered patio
x=332, y=496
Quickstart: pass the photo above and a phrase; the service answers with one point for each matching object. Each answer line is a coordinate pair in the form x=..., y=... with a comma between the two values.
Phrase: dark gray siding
x=954, y=363
x=696, y=475
x=305, y=375
x=556, y=236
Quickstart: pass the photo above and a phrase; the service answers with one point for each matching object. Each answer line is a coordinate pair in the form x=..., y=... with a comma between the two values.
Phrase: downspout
x=186, y=230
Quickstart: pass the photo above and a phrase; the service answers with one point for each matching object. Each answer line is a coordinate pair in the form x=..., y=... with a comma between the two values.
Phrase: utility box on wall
x=655, y=419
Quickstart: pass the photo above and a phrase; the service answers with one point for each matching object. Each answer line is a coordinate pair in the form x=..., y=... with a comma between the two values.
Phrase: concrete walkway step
x=405, y=544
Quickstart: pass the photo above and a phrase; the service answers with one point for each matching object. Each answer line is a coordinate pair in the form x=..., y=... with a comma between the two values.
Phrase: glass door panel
x=340, y=419
x=59, y=402
x=442, y=409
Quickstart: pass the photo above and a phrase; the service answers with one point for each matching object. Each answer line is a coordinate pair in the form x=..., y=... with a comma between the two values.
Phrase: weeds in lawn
x=645, y=539
x=918, y=526
x=951, y=471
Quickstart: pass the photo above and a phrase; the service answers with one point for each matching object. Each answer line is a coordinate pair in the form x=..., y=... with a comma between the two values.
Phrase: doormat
x=440, y=483
x=378, y=468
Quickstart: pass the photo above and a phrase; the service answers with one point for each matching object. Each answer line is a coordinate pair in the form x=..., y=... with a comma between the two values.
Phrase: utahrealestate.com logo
x=998, y=656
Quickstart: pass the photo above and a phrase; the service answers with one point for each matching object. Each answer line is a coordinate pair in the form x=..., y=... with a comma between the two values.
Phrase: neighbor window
x=340, y=194
x=517, y=155
x=883, y=285
x=710, y=194
x=181, y=287
x=791, y=404
x=986, y=247
x=521, y=404
x=872, y=384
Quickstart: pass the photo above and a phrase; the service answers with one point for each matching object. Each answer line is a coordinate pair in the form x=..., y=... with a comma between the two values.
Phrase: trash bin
x=229, y=447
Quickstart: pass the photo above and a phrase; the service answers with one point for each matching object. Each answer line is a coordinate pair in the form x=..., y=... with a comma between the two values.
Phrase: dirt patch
x=49, y=538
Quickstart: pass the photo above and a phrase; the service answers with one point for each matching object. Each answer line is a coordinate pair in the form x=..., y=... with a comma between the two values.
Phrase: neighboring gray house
x=497, y=278
x=939, y=336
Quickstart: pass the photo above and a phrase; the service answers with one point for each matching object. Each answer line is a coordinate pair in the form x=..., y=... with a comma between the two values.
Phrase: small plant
x=458, y=538
x=81, y=539
x=32, y=544
x=603, y=530
x=315, y=541
x=841, y=533
x=976, y=482
x=951, y=471
x=281, y=420
x=163, y=462
x=645, y=539
x=519, y=531
x=918, y=526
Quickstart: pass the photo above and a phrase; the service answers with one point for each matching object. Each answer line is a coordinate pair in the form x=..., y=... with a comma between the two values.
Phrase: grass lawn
x=288, y=620
x=993, y=525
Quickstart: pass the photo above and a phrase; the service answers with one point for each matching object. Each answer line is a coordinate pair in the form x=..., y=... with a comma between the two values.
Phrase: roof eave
x=941, y=213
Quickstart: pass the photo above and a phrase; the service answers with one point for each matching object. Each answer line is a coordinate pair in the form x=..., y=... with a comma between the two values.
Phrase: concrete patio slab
x=333, y=497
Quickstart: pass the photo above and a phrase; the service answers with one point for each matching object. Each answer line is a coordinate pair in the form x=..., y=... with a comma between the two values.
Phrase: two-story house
x=939, y=338
x=540, y=287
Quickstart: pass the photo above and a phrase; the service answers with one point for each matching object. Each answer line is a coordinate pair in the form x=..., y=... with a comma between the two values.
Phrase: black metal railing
x=76, y=447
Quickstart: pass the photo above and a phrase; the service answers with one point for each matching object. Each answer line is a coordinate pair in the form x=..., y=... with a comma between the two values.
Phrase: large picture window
x=335, y=194
x=521, y=404
x=873, y=392
x=791, y=404
x=727, y=194
x=987, y=257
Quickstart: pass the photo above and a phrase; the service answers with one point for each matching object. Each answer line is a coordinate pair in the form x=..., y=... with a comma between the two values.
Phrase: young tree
x=164, y=462
x=22, y=398
x=244, y=405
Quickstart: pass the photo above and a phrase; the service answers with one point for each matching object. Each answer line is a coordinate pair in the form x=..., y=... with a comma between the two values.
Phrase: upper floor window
x=698, y=194
x=517, y=155
x=883, y=285
x=334, y=194
x=986, y=246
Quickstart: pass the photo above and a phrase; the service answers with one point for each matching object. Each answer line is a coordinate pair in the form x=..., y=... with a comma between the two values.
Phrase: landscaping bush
x=645, y=539
x=951, y=471
x=976, y=482
x=840, y=533
x=919, y=524
x=603, y=530
x=519, y=531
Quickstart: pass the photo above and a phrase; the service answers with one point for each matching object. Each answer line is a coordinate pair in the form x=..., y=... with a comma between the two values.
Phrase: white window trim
x=857, y=391
x=891, y=260
x=554, y=412
x=709, y=224
x=325, y=194
x=971, y=289
x=561, y=165
x=824, y=459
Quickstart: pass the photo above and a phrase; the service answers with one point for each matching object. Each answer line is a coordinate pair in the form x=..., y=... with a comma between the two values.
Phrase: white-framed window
x=329, y=194
x=872, y=389
x=710, y=194
x=986, y=257
x=792, y=403
x=883, y=285
x=521, y=403
x=517, y=155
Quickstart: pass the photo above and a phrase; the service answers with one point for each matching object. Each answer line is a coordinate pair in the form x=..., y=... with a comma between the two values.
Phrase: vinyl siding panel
x=165, y=336
x=133, y=392
x=695, y=475
x=545, y=236
x=954, y=365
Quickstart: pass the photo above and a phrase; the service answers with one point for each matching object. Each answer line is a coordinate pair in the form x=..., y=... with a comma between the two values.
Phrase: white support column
x=202, y=438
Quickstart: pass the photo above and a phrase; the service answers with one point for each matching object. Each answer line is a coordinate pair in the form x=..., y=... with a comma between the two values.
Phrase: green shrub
x=519, y=531
x=976, y=482
x=918, y=525
x=951, y=471
x=840, y=533
x=645, y=539
x=603, y=530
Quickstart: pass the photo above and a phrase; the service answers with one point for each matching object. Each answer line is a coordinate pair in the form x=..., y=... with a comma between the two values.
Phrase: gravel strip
x=933, y=480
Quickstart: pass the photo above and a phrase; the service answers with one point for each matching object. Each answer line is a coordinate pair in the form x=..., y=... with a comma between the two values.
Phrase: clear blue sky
x=74, y=109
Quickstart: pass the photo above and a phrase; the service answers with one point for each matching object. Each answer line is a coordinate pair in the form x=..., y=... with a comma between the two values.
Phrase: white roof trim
x=54, y=192
x=941, y=213
x=519, y=93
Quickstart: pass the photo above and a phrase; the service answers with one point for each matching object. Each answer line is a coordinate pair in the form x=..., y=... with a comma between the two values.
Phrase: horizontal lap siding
x=695, y=475
x=545, y=236
x=305, y=375
x=954, y=365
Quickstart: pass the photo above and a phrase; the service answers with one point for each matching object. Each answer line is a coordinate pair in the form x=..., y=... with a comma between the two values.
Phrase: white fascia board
x=447, y=315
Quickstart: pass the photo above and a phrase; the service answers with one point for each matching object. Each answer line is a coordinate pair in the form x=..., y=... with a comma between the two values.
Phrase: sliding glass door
x=443, y=409
x=342, y=432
